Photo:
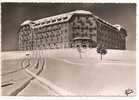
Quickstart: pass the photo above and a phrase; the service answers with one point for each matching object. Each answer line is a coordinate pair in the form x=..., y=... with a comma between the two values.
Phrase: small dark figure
x=28, y=58
x=101, y=49
x=79, y=50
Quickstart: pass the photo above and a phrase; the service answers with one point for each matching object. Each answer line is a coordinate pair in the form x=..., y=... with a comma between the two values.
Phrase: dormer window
x=53, y=20
x=36, y=24
x=42, y=23
x=64, y=18
x=59, y=19
x=48, y=22
x=40, y=28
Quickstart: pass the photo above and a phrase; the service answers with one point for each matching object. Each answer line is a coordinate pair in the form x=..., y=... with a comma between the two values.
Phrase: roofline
x=69, y=15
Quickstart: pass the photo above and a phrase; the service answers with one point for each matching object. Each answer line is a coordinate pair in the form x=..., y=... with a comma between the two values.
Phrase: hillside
x=89, y=75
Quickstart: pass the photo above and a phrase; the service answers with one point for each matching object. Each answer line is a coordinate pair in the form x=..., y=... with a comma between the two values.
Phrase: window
x=73, y=24
x=82, y=23
x=83, y=35
x=65, y=30
x=82, y=29
x=64, y=18
x=93, y=34
x=87, y=17
x=90, y=36
x=43, y=45
x=78, y=17
x=86, y=27
x=42, y=23
x=47, y=36
x=40, y=28
x=76, y=34
x=78, y=27
x=48, y=22
x=90, y=24
x=53, y=20
x=59, y=19
x=61, y=39
x=57, y=39
x=36, y=24
x=90, y=29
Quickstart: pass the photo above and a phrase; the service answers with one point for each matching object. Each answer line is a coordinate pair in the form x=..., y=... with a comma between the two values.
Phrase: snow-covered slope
x=89, y=75
x=122, y=55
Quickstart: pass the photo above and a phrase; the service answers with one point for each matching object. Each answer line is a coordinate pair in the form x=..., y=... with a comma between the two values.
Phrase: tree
x=101, y=49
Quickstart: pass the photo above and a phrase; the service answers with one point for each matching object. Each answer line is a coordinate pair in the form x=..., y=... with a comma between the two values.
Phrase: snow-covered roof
x=118, y=26
x=107, y=23
x=64, y=18
x=26, y=22
x=81, y=12
x=59, y=18
x=55, y=19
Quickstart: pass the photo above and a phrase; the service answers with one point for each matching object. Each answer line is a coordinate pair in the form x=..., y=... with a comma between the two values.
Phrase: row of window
x=25, y=28
x=111, y=42
x=40, y=29
x=45, y=45
x=51, y=21
x=25, y=38
x=49, y=29
x=108, y=31
x=81, y=29
x=83, y=34
x=50, y=34
x=107, y=28
x=115, y=37
x=43, y=34
x=84, y=18
x=53, y=45
x=84, y=23
x=109, y=39
x=49, y=39
x=26, y=32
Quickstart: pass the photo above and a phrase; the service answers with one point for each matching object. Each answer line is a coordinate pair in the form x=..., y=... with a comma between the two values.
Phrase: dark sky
x=13, y=14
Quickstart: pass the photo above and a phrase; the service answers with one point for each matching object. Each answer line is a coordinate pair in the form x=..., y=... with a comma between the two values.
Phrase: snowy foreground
x=88, y=76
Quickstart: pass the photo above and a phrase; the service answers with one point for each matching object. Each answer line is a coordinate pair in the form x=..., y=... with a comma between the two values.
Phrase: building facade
x=69, y=30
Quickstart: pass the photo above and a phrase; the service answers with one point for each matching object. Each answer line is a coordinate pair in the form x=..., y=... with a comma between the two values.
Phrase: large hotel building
x=70, y=30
